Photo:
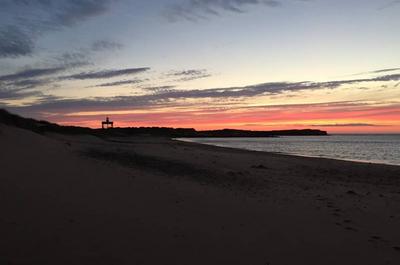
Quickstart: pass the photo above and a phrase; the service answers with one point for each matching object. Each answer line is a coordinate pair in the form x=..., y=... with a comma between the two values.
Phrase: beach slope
x=80, y=199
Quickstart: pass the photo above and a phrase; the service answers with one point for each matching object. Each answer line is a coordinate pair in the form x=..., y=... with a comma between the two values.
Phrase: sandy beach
x=146, y=200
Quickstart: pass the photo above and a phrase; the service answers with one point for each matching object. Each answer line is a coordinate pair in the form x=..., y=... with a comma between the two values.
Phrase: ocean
x=371, y=148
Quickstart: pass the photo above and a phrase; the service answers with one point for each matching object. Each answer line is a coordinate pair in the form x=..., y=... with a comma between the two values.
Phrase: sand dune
x=146, y=200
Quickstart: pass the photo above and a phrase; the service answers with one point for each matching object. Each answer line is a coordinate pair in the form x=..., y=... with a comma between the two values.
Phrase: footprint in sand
x=377, y=239
x=351, y=192
x=351, y=228
x=337, y=212
x=346, y=223
x=260, y=166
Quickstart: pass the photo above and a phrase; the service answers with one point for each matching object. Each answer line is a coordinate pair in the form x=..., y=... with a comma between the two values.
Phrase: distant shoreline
x=375, y=162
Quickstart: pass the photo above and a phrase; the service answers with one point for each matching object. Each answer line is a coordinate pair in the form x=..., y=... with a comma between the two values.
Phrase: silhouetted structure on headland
x=107, y=124
x=45, y=126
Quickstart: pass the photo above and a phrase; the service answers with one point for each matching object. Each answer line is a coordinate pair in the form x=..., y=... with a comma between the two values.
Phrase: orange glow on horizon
x=361, y=119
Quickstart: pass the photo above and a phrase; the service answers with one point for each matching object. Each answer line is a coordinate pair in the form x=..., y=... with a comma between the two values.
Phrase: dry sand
x=84, y=200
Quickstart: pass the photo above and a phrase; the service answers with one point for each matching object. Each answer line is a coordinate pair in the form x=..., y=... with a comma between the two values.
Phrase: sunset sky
x=206, y=64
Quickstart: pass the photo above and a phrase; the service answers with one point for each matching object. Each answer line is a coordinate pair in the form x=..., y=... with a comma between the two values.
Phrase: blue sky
x=190, y=46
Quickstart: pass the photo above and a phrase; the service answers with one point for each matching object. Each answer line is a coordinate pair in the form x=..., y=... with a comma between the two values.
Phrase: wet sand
x=145, y=200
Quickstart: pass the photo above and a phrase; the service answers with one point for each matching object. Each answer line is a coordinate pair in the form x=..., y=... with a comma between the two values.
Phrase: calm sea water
x=383, y=149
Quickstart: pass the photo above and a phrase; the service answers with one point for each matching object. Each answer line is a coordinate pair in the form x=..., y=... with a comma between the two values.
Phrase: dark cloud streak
x=23, y=22
x=29, y=83
x=31, y=73
x=102, y=45
x=14, y=42
x=189, y=75
x=385, y=70
x=389, y=4
x=199, y=9
x=12, y=94
x=106, y=73
x=123, y=82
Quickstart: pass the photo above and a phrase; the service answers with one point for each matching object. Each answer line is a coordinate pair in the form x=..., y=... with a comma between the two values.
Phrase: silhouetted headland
x=45, y=126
